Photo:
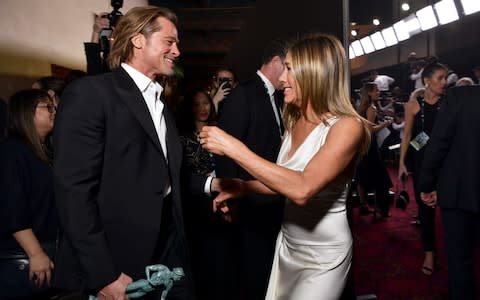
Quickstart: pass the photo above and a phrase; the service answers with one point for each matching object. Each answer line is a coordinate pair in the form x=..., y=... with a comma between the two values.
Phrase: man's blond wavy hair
x=137, y=20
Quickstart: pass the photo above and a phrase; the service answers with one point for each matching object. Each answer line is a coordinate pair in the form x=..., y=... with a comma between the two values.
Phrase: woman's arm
x=372, y=117
x=411, y=108
x=40, y=264
x=233, y=188
x=331, y=160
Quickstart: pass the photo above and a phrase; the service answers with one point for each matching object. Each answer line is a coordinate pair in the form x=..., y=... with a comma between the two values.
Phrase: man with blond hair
x=117, y=166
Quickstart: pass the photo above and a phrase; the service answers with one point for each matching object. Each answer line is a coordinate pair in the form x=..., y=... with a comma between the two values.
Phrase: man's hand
x=429, y=199
x=228, y=188
x=115, y=290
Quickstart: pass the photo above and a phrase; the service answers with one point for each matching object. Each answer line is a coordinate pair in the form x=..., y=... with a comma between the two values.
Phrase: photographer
x=223, y=82
x=96, y=51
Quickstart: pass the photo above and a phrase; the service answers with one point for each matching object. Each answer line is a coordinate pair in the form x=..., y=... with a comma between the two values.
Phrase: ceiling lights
x=470, y=6
x=401, y=30
x=446, y=11
x=426, y=18
x=440, y=13
x=389, y=36
x=357, y=48
x=367, y=45
x=377, y=40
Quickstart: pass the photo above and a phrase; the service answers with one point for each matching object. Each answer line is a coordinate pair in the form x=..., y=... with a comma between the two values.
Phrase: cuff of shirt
x=208, y=185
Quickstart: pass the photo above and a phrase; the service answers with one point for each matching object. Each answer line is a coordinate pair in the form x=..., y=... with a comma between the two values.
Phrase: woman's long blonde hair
x=320, y=67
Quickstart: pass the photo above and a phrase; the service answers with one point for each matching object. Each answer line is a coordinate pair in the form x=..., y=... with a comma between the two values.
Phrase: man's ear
x=276, y=59
x=138, y=40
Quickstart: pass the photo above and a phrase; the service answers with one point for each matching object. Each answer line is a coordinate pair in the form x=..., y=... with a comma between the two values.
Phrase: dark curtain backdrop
x=281, y=18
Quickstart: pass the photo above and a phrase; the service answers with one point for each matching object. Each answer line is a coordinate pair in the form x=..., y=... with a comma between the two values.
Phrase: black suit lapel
x=132, y=97
x=174, y=147
x=263, y=94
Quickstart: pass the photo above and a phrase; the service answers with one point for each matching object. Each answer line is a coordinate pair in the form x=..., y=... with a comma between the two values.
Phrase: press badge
x=420, y=140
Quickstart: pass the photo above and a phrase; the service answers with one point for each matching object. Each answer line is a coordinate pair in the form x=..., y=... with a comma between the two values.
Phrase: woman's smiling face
x=291, y=90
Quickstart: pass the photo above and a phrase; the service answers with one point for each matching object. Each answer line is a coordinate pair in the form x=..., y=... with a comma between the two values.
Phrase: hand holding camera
x=224, y=88
x=100, y=24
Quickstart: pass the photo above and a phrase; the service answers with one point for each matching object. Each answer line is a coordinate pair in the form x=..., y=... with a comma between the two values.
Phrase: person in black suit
x=451, y=170
x=117, y=166
x=251, y=113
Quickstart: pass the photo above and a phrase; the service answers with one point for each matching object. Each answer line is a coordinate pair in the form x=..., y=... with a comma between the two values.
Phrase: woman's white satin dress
x=314, y=247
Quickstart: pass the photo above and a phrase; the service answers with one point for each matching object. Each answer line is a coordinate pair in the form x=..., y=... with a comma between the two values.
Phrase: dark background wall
x=280, y=18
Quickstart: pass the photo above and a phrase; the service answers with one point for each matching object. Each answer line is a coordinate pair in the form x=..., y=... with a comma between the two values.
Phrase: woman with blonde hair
x=325, y=137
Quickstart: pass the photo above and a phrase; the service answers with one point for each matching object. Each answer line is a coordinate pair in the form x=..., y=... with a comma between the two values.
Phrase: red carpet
x=388, y=255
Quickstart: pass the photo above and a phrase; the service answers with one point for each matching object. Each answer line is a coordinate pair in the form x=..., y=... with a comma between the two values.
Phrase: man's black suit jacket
x=451, y=163
x=247, y=114
x=111, y=175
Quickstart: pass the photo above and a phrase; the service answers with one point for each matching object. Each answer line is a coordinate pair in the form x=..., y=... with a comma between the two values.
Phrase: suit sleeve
x=79, y=140
x=440, y=142
x=234, y=119
x=94, y=59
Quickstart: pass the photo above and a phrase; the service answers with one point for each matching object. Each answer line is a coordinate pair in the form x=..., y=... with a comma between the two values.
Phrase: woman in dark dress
x=420, y=113
x=372, y=174
x=28, y=221
x=200, y=221
x=198, y=111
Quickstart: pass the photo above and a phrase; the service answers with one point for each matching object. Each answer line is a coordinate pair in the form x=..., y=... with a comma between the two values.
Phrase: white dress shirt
x=151, y=92
x=383, y=82
x=271, y=91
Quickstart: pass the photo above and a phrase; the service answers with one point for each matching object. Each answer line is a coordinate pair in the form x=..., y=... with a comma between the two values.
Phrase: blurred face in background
x=44, y=117
x=437, y=82
x=224, y=76
x=202, y=107
x=374, y=94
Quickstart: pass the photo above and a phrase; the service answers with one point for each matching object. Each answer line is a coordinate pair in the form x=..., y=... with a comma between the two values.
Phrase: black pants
x=426, y=215
x=462, y=231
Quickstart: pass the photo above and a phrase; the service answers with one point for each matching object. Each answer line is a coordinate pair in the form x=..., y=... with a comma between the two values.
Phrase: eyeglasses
x=50, y=107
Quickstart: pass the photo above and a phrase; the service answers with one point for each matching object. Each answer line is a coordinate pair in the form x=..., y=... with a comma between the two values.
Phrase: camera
x=114, y=16
x=227, y=85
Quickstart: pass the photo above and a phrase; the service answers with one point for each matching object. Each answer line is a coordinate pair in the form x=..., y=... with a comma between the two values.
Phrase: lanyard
x=422, y=114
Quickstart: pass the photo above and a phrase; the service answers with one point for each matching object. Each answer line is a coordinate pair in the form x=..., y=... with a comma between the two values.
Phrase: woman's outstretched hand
x=217, y=141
